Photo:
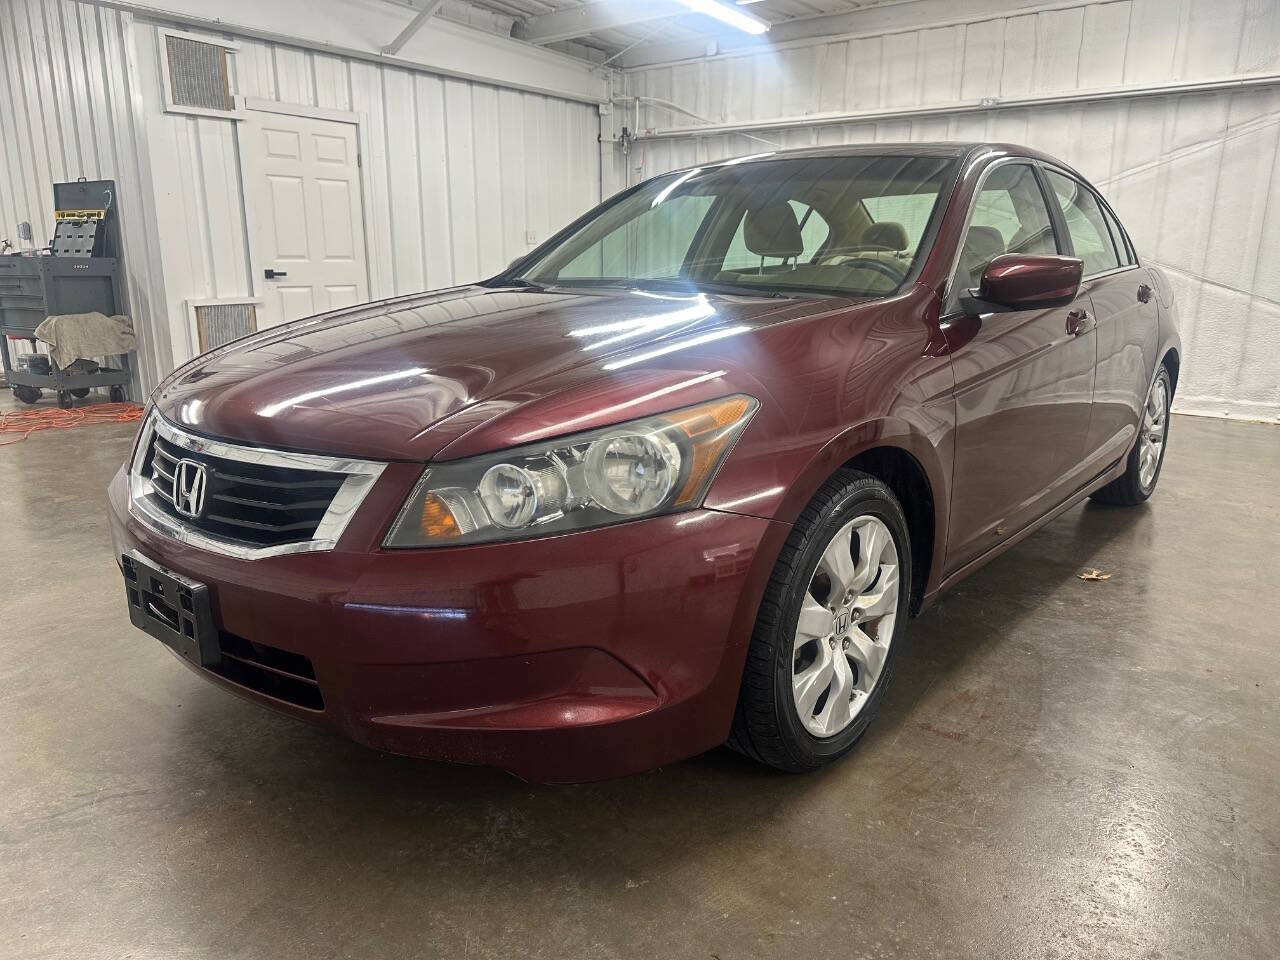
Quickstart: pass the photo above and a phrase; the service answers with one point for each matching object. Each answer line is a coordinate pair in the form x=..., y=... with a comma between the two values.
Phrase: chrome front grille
x=254, y=504
x=254, y=501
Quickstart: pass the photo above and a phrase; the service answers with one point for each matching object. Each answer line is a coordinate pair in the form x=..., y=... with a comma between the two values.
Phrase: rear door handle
x=1144, y=293
x=272, y=274
x=1077, y=322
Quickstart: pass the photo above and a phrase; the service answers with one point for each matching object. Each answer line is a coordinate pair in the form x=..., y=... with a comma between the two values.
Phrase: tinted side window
x=1089, y=233
x=1010, y=215
x=1122, y=248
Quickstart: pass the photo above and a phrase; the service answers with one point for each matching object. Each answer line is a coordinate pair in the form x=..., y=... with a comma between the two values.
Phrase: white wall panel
x=455, y=173
x=67, y=111
x=1193, y=176
x=445, y=171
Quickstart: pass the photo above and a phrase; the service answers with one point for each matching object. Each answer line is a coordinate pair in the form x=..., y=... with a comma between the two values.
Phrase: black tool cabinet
x=84, y=281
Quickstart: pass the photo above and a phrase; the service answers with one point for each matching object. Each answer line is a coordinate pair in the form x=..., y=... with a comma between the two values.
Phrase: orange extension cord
x=27, y=422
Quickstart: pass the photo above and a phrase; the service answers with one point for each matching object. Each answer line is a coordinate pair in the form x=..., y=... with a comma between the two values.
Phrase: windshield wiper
x=746, y=290
x=697, y=286
x=522, y=283
x=669, y=285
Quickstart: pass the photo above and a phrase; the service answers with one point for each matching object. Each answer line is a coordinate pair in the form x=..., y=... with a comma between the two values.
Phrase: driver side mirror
x=1024, y=281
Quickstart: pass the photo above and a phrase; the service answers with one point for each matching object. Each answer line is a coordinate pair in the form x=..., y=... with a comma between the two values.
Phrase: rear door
x=1024, y=379
x=1124, y=313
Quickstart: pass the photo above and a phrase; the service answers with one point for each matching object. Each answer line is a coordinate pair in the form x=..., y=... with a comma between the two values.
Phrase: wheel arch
x=907, y=461
x=1171, y=361
x=903, y=474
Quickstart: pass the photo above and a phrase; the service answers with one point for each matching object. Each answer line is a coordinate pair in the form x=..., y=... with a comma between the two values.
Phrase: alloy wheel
x=1151, y=443
x=845, y=626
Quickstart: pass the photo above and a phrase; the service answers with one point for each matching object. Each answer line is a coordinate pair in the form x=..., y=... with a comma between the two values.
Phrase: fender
x=934, y=459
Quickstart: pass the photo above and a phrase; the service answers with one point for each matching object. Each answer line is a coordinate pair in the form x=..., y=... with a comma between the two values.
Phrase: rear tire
x=852, y=616
x=1142, y=470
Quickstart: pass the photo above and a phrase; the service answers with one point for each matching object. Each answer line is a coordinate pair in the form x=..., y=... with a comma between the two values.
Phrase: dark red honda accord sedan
x=677, y=477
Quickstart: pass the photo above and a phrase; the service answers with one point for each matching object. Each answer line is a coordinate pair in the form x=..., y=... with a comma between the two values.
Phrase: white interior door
x=304, y=215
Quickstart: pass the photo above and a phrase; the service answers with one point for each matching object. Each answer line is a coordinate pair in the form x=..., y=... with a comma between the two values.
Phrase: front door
x=1024, y=379
x=304, y=215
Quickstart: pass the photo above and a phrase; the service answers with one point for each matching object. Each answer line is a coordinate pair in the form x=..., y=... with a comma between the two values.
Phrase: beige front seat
x=981, y=246
x=772, y=230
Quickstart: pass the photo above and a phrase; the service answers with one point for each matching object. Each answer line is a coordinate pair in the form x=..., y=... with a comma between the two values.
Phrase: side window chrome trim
x=1102, y=275
x=1030, y=163
x=1131, y=250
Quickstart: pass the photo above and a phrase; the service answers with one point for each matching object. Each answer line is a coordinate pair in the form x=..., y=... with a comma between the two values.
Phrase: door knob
x=1077, y=322
x=272, y=274
x=1144, y=293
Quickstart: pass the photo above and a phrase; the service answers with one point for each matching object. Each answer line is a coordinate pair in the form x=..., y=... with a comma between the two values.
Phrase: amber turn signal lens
x=437, y=521
x=709, y=429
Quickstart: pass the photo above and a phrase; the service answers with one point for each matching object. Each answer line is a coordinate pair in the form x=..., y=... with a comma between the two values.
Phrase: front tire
x=822, y=651
x=1142, y=471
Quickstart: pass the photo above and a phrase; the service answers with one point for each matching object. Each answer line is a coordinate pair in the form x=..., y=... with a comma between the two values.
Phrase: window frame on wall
x=168, y=105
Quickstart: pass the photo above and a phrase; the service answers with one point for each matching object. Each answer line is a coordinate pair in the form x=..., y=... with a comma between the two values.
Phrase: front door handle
x=1144, y=293
x=1077, y=322
x=272, y=274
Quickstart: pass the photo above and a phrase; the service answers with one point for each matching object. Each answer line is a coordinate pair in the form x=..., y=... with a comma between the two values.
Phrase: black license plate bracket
x=172, y=608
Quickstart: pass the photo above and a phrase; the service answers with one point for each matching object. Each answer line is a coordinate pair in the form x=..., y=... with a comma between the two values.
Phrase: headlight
x=639, y=469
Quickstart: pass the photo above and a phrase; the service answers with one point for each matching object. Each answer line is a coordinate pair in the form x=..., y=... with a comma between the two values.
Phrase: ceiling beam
x=601, y=15
x=412, y=27
x=359, y=29
x=868, y=21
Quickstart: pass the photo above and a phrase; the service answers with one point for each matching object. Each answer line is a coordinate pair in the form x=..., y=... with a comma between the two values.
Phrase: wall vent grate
x=198, y=74
x=219, y=323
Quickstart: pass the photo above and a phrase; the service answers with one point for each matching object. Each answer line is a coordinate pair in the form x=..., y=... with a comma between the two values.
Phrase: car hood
x=389, y=380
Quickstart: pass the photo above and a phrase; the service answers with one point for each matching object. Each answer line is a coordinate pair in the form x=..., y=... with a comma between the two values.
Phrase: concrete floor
x=1063, y=769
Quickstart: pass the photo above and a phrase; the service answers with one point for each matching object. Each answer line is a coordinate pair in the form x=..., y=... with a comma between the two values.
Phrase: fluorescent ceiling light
x=726, y=14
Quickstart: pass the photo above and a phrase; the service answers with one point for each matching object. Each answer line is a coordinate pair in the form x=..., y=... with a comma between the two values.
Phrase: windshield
x=851, y=226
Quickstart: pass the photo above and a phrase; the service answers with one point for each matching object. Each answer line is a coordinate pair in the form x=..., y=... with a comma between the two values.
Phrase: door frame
x=245, y=105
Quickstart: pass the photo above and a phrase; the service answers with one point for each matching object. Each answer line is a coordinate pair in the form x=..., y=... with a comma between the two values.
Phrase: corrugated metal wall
x=455, y=174
x=67, y=111
x=1194, y=177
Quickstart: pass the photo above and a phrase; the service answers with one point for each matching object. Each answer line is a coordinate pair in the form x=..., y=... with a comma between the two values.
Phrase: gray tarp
x=74, y=335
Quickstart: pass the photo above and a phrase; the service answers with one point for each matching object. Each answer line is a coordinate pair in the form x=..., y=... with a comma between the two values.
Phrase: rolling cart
x=80, y=273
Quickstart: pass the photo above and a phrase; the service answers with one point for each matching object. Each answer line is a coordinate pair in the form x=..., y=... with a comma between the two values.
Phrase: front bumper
x=578, y=657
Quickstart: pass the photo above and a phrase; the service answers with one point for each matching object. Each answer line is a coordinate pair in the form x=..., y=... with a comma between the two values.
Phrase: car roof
x=945, y=148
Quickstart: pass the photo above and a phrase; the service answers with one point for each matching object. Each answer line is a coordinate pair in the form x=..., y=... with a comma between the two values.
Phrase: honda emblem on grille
x=189, y=482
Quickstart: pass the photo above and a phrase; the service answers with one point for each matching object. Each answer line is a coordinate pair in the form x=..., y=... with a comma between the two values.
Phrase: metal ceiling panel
x=690, y=26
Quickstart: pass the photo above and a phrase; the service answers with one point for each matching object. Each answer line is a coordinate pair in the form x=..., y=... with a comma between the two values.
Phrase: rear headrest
x=772, y=230
x=887, y=234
